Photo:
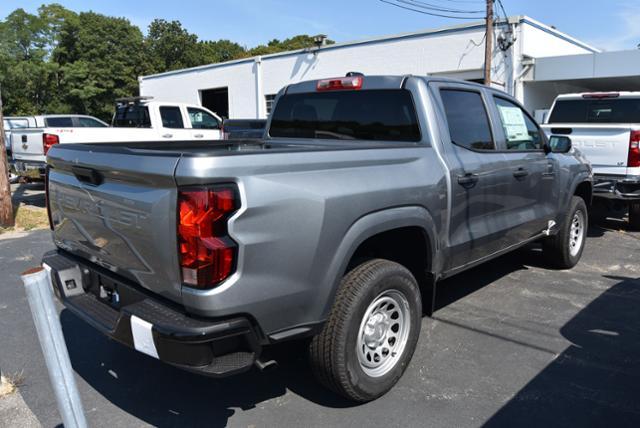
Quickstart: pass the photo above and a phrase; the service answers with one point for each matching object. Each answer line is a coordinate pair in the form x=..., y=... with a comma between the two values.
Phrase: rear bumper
x=625, y=188
x=29, y=168
x=159, y=329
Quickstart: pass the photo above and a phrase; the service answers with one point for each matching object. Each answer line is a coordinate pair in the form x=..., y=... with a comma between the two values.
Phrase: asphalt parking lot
x=512, y=344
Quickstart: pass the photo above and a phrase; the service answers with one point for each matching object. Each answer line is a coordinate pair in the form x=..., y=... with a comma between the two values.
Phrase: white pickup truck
x=135, y=120
x=605, y=127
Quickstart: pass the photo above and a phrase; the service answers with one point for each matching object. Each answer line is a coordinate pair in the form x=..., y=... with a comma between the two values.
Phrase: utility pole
x=488, y=44
x=6, y=207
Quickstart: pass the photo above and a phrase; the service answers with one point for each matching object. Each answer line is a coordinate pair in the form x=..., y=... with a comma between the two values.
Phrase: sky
x=608, y=24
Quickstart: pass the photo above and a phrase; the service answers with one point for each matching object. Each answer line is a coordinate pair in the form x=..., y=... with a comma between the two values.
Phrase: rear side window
x=59, y=122
x=171, y=117
x=200, y=119
x=520, y=130
x=381, y=115
x=467, y=119
x=87, y=122
x=132, y=116
x=608, y=110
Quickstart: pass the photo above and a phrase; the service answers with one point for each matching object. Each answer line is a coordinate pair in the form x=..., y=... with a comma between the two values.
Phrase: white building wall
x=453, y=52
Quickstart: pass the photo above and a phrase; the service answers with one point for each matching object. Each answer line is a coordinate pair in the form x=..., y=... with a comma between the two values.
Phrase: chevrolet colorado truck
x=135, y=119
x=336, y=226
x=605, y=127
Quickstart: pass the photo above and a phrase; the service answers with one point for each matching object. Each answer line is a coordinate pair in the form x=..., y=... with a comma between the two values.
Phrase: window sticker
x=514, y=125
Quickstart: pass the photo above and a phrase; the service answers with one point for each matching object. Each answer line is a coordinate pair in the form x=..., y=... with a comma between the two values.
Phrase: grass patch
x=9, y=384
x=28, y=217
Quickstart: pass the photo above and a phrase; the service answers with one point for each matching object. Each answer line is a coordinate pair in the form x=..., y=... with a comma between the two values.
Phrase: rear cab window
x=132, y=116
x=378, y=115
x=594, y=110
x=467, y=119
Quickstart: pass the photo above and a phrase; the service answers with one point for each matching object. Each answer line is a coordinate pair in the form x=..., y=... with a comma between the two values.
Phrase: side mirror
x=559, y=144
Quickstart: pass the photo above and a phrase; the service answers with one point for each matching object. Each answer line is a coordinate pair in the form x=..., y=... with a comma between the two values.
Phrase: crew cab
x=605, y=127
x=336, y=226
x=135, y=119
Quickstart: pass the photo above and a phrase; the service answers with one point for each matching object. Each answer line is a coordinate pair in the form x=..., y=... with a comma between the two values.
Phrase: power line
x=429, y=6
x=424, y=12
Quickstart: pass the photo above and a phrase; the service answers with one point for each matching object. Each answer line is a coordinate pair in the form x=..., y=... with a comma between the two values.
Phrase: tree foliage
x=59, y=61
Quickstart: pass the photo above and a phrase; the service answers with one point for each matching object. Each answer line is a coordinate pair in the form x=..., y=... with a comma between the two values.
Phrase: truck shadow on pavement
x=162, y=395
x=596, y=380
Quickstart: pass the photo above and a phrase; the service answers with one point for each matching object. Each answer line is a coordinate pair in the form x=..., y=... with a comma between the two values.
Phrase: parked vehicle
x=15, y=122
x=30, y=144
x=365, y=191
x=238, y=129
x=605, y=127
x=152, y=120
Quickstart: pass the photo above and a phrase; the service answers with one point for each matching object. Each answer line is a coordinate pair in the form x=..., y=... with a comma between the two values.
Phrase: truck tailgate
x=118, y=210
x=605, y=146
x=26, y=144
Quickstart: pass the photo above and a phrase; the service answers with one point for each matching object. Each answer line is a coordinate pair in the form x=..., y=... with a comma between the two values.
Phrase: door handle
x=468, y=180
x=167, y=135
x=198, y=135
x=520, y=172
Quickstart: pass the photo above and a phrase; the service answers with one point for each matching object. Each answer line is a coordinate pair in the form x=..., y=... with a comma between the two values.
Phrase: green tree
x=170, y=47
x=220, y=51
x=100, y=60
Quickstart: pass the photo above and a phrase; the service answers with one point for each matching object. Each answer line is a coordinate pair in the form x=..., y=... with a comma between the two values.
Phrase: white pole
x=40, y=296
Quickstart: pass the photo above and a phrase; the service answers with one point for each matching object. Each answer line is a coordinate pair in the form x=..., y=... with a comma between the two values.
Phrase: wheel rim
x=383, y=334
x=576, y=234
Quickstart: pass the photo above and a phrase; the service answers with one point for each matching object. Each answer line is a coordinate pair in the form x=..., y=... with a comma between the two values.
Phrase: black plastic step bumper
x=625, y=188
x=157, y=328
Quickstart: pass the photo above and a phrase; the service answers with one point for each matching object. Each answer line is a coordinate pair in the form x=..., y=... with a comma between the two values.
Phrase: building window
x=269, y=99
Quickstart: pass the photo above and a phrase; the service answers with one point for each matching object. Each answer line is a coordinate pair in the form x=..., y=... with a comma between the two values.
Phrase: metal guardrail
x=40, y=296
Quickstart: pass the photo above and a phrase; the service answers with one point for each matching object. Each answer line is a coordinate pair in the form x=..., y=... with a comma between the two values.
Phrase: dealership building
x=531, y=60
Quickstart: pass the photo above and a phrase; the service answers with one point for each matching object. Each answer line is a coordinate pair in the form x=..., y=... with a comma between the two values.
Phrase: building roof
x=382, y=39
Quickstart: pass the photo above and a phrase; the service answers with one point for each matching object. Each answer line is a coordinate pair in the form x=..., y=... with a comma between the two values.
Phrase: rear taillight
x=48, y=141
x=46, y=197
x=340, y=83
x=634, y=150
x=207, y=254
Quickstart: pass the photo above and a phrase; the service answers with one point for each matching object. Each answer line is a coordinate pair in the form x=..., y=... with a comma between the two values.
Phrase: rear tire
x=371, y=333
x=564, y=250
x=634, y=215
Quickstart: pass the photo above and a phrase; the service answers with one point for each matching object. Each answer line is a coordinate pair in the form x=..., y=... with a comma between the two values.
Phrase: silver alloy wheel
x=383, y=334
x=576, y=234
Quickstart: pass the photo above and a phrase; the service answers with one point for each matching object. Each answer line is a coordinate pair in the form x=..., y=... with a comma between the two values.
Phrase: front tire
x=564, y=250
x=371, y=333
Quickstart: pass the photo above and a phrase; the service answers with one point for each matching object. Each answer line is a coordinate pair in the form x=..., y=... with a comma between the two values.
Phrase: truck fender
x=369, y=225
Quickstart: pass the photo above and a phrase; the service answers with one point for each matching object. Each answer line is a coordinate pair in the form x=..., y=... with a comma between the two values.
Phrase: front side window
x=520, y=130
x=378, y=115
x=200, y=119
x=171, y=117
x=87, y=122
x=467, y=119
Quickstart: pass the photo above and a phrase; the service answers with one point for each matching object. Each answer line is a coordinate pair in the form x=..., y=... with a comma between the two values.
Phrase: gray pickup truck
x=335, y=227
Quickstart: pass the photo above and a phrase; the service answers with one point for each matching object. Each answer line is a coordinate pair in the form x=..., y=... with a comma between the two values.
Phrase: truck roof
x=605, y=94
x=378, y=82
